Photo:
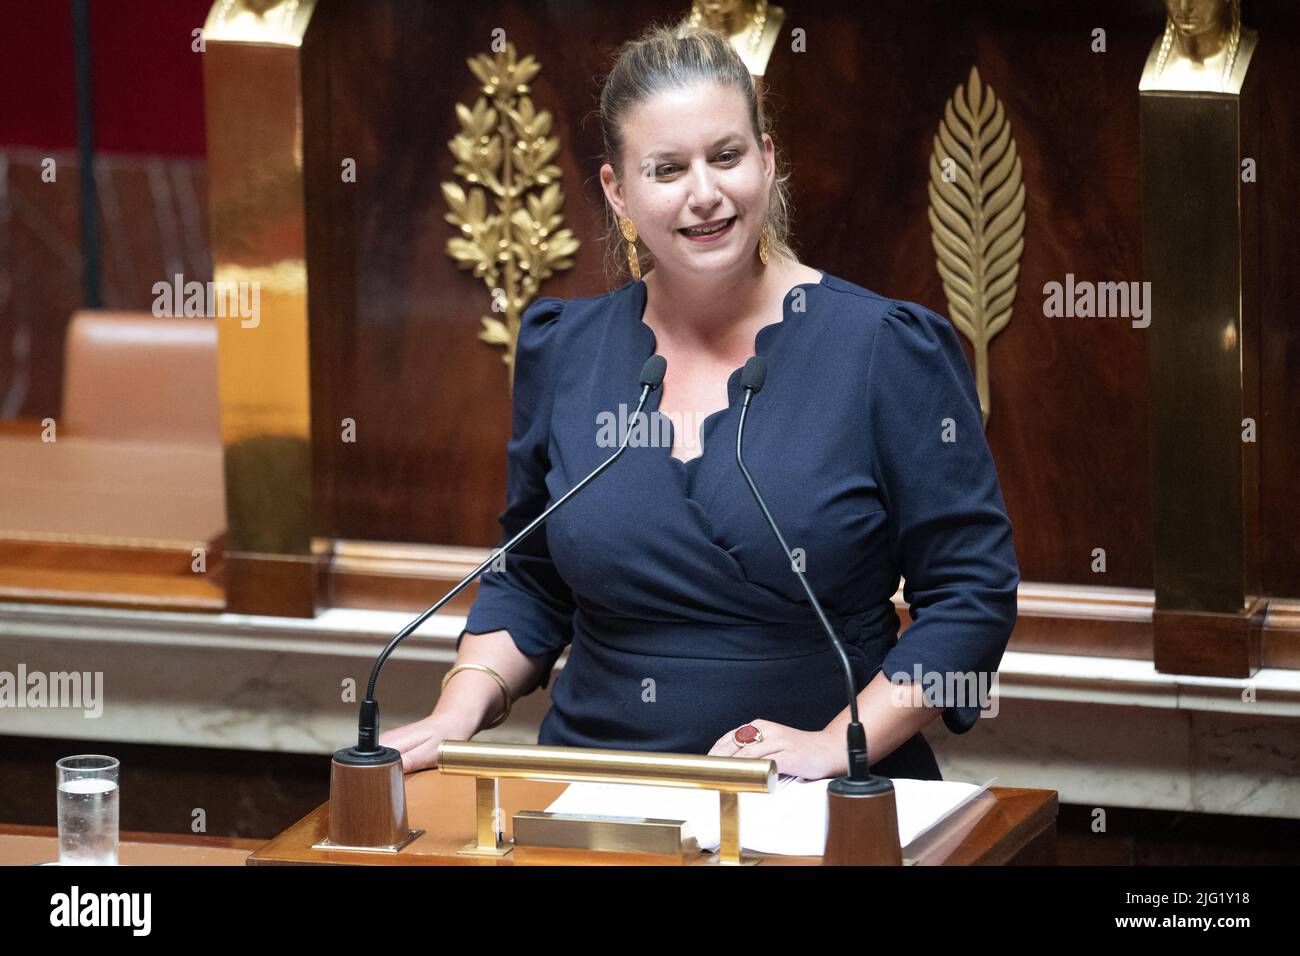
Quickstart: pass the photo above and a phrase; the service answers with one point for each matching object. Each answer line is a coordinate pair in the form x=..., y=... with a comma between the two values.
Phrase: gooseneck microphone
x=751, y=380
x=367, y=750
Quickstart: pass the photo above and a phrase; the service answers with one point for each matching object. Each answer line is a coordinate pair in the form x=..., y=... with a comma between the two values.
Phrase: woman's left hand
x=810, y=754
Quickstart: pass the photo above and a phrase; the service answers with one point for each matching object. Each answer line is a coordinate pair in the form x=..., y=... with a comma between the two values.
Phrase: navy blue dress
x=681, y=613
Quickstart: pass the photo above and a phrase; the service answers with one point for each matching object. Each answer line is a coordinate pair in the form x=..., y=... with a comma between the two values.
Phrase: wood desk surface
x=103, y=488
x=1004, y=825
x=24, y=845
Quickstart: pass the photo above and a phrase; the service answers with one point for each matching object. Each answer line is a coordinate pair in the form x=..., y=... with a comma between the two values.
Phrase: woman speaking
x=688, y=630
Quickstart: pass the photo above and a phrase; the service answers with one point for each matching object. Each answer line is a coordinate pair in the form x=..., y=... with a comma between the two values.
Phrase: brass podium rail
x=489, y=763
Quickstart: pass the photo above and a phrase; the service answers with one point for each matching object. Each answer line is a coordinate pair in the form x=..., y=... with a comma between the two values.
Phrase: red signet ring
x=748, y=734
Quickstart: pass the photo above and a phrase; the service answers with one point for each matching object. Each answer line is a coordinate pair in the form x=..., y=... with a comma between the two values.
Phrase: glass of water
x=88, y=810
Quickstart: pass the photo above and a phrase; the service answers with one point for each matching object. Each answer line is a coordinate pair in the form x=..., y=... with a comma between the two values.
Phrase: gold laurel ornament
x=504, y=154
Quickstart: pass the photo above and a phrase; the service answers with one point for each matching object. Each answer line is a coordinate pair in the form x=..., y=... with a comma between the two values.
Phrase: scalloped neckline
x=760, y=348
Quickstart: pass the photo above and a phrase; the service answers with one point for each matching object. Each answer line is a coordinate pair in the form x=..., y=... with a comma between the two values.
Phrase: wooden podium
x=1003, y=826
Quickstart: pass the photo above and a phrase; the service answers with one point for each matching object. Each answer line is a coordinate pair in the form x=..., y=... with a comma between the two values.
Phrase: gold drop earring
x=762, y=244
x=629, y=233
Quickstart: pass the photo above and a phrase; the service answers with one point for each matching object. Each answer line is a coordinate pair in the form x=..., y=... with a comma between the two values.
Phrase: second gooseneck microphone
x=751, y=381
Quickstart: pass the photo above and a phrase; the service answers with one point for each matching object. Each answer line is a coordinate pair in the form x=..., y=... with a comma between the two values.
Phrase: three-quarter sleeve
x=949, y=532
x=529, y=599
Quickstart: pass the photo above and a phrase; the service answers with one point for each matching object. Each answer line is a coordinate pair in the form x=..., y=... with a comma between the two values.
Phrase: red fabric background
x=148, y=83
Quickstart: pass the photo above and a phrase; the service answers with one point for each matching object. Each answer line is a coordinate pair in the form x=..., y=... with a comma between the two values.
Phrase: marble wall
x=1104, y=733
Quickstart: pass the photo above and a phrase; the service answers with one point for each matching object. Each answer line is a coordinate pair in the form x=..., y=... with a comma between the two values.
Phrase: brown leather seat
x=130, y=375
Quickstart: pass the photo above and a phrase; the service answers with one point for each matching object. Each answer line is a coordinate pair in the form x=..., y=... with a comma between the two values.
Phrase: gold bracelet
x=505, y=691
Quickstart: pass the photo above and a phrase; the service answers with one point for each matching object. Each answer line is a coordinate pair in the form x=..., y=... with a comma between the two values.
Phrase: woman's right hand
x=418, y=742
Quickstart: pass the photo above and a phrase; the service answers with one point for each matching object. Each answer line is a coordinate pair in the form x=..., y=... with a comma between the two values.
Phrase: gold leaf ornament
x=508, y=210
x=977, y=218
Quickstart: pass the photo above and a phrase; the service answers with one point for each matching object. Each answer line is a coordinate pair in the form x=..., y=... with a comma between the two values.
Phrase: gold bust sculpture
x=259, y=21
x=752, y=26
x=1204, y=48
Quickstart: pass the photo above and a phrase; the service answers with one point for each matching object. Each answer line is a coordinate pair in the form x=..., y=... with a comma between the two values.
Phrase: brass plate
x=610, y=833
x=325, y=844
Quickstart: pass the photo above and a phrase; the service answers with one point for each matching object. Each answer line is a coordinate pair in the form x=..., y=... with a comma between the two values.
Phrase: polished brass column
x=1199, y=255
x=252, y=72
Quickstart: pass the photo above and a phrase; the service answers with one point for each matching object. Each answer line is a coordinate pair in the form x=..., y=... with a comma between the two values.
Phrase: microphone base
x=368, y=799
x=862, y=823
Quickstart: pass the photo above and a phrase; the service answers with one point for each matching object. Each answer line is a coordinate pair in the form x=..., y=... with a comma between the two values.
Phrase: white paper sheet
x=790, y=821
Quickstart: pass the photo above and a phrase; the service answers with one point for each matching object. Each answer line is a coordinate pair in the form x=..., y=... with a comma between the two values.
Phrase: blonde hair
x=673, y=57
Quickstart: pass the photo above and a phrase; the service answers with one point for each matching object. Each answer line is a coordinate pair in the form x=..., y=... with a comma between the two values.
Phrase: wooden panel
x=243, y=793
x=24, y=846
x=99, y=487
x=392, y=577
x=283, y=585
x=1008, y=822
x=153, y=221
x=1279, y=238
x=40, y=269
x=1069, y=416
x=1211, y=644
x=394, y=322
x=138, y=575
